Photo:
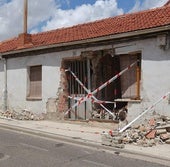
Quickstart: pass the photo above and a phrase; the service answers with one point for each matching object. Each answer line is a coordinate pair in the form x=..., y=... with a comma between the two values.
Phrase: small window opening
x=34, y=83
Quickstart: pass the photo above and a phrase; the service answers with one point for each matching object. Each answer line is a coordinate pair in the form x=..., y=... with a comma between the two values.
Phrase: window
x=79, y=68
x=34, y=83
x=130, y=80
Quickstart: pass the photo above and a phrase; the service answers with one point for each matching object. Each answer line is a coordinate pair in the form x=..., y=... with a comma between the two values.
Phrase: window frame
x=28, y=94
x=137, y=87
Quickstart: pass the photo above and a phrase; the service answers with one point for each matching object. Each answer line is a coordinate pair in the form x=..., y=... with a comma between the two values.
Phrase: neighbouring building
x=36, y=69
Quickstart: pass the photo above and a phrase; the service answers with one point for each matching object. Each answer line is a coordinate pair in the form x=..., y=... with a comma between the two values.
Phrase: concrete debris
x=165, y=137
x=112, y=139
x=101, y=114
x=167, y=141
x=161, y=131
x=22, y=115
x=154, y=131
x=165, y=126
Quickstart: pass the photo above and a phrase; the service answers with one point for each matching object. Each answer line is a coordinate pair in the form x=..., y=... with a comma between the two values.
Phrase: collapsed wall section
x=93, y=69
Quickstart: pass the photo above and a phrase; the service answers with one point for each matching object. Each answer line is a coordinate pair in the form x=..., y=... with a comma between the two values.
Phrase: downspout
x=5, y=92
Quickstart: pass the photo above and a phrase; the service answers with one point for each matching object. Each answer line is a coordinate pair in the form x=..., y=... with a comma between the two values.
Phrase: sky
x=45, y=15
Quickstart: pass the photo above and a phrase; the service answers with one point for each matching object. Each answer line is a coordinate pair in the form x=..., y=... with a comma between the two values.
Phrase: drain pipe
x=5, y=85
x=5, y=93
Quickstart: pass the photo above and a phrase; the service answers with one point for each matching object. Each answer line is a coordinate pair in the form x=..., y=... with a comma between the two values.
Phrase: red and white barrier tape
x=74, y=97
x=76, y=78
x=90, y=94
x=148, y=109
x=93, y=101
x=113, y=78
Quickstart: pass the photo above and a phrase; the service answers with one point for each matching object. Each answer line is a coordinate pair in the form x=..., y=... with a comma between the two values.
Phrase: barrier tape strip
x=113, y=78
x=89, y=95
x=81, y=84
x=93, y=101
x=145, y=111
x=83, y=99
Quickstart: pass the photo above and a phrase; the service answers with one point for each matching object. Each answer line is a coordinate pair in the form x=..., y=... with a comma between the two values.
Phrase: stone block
x=160, y=131
x=167, y=141
x=167, y=128
x=165, y=118
x=160, y=123
x=165, y=136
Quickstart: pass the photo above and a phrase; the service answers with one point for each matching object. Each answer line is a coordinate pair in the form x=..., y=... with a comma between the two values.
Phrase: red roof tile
x=120, y=24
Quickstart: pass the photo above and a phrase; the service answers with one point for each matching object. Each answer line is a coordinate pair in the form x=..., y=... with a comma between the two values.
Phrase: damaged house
x=49, y=72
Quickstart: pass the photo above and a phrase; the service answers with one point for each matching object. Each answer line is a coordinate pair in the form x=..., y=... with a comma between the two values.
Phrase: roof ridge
x=112, y=25
x=167, y=3
x=148, y=10
x=97, y=21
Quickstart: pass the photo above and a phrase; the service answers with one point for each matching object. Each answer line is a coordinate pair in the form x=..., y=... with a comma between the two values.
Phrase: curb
x=46, y=134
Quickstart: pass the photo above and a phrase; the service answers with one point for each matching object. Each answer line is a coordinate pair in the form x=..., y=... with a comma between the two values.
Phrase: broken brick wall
x=62, y=95
x=101, y=69
x=103, y=66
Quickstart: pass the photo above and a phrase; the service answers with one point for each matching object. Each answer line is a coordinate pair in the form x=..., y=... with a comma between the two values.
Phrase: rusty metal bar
x=138, y=80
x=88, y=75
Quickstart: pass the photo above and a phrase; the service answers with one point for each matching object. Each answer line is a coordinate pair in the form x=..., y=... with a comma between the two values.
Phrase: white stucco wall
x=17, y=80
x=155, y=81
x=1, y=83
x=154, y=84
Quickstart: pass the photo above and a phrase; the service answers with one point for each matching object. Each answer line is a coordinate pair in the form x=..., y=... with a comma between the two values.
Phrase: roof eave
x=104, y=38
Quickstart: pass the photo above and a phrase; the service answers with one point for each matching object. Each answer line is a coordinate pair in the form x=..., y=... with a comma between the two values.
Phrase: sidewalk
x=88, y=133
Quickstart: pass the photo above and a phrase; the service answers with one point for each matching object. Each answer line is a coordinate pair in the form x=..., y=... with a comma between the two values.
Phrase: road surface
x=22, y=150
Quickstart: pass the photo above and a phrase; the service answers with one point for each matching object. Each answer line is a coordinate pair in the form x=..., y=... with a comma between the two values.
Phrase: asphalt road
x=22, y=150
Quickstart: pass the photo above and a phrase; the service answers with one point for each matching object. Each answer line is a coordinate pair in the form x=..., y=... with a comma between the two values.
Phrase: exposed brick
x=24, y=39
x=151, y=134
x=152, y=122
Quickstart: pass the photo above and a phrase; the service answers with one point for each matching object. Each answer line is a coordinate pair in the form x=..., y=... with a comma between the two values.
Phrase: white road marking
x=34, y=147
x=95, y=163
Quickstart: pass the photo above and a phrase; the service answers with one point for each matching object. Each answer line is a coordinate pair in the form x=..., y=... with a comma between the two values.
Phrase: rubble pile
x=152, y=132
x=112, y=138
x=101, y=114
x=22, y=115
